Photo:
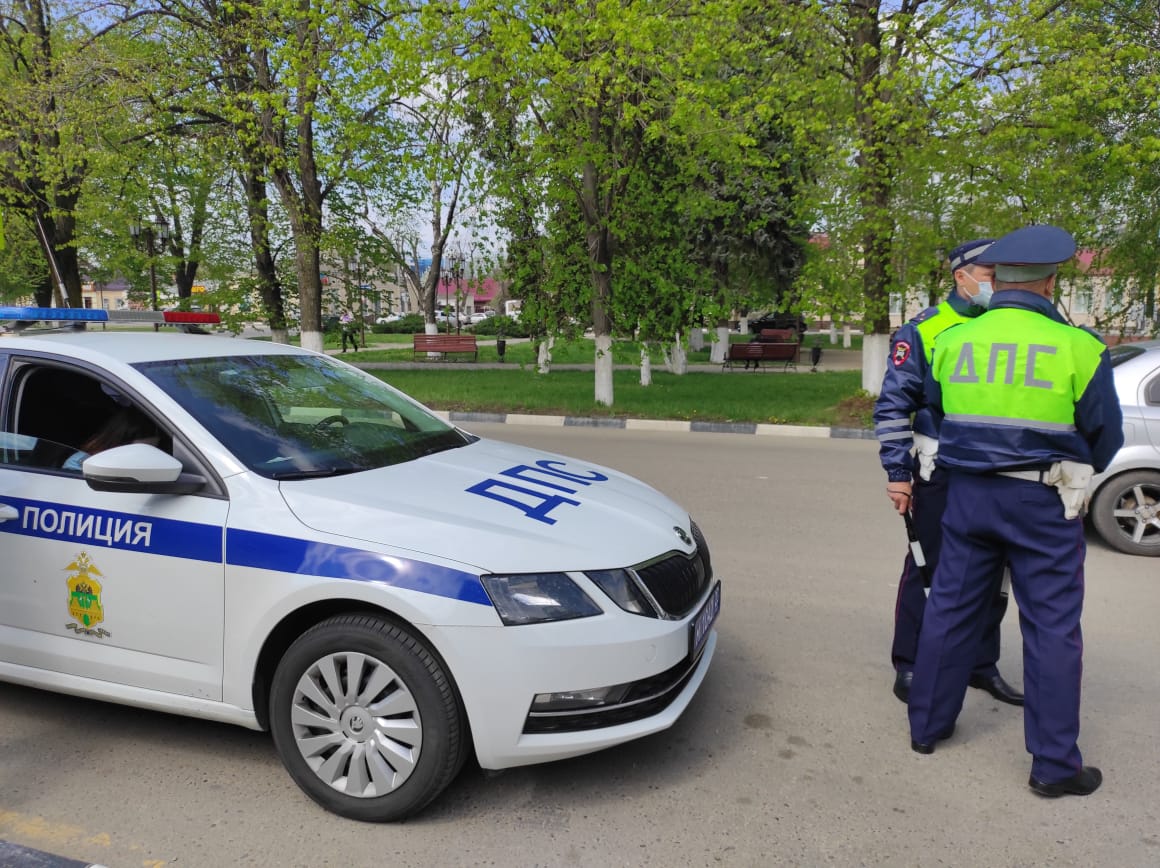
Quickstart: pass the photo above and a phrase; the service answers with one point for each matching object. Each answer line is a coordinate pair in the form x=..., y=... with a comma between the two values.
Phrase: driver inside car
x=126, y=425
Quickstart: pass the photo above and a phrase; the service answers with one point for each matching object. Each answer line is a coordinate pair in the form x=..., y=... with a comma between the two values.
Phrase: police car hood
x=497, y=507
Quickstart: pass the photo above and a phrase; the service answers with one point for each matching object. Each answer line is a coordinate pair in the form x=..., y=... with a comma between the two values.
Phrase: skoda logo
x=356, y=726
x=684, y=536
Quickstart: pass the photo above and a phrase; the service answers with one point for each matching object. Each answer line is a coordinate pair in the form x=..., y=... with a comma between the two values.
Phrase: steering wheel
x=330, y=420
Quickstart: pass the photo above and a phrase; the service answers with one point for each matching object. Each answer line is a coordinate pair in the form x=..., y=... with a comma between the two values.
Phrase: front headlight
x=531, y=598
x=618, y=584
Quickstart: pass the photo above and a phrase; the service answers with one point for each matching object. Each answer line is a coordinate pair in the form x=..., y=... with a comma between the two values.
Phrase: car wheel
x=1126, y=512
x=365, y=719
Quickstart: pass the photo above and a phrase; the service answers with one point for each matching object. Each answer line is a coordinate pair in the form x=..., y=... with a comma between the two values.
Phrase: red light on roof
x=185, y=316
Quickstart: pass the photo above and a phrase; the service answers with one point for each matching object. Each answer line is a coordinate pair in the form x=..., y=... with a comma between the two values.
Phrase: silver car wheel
x=1138, y=511
x=356, y=724
x=1126, y=512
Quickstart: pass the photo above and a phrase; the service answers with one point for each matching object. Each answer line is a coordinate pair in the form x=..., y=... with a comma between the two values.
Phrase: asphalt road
x=795, y=752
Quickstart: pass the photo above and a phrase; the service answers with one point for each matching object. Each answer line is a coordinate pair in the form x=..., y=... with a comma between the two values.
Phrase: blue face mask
x=982, y=298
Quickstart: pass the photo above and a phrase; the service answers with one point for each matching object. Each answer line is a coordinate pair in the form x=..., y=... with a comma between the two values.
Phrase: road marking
x=44, y=833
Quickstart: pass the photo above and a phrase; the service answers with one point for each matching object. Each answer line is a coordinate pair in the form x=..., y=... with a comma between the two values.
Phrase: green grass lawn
x=829, y=399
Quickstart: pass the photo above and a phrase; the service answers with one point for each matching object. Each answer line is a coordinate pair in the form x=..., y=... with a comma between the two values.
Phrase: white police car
x=285, y=542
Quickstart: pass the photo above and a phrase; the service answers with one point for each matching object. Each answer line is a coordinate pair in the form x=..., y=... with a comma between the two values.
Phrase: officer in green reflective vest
x=1029, y=411
x=907, y=435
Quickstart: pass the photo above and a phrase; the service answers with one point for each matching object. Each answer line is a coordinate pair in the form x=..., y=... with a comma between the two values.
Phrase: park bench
x=444, y=344
x=770, y=345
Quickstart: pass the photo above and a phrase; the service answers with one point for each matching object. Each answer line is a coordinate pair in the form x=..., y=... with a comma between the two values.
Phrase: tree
x=590, y=85
x=54, y=86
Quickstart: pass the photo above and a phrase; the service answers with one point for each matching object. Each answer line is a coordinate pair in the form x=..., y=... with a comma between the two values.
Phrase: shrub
x=410, y=324
x=497, y=325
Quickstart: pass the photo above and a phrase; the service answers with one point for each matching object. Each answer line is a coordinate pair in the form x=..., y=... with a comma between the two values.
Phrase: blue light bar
x=59, y=314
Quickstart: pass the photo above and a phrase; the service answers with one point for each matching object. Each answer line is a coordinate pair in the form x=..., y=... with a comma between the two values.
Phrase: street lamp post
x=456, y=276
x=149, y=234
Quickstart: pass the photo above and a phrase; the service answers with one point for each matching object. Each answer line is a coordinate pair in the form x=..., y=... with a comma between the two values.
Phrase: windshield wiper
x=314, y=474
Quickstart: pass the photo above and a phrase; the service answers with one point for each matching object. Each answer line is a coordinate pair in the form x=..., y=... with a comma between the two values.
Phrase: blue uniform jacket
x=982, y=448
x=903, y=394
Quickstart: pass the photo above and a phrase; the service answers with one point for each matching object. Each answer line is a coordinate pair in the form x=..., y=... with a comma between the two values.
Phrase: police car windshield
x=301, y=417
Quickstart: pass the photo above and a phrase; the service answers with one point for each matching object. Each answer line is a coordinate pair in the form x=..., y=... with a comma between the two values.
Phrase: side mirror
x=139, y=468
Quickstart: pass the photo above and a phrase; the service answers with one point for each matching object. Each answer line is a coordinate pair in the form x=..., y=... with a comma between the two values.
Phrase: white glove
x=927, y=450
x=1071, y=479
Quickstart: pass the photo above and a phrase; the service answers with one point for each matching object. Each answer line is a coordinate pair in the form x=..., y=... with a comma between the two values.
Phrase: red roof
x=1088, y=262
x=483, y=291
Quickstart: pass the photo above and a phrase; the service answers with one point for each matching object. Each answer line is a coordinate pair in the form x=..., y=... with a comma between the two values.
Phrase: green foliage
x=410, y=324
x=502, y=327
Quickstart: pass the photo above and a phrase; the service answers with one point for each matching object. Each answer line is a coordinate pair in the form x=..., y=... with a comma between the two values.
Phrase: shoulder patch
x=923, y=316
x=900, y=353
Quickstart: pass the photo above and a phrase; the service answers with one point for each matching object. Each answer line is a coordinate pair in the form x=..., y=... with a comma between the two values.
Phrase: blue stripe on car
x=119, y=530
x=265, y=551
x=245, y=548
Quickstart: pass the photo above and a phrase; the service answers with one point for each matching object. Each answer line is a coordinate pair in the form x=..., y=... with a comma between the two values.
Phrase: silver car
x=1125, y=505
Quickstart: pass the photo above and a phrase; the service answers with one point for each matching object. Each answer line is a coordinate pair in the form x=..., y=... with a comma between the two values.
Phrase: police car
x=284, y=542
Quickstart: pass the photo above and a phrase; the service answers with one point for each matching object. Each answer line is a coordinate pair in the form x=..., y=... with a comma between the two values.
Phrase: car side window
x=1152, y=391
x=58, y=416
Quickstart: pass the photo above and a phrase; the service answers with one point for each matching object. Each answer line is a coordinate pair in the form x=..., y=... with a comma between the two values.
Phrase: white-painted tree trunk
x=431, y=328
x=875, y=349
x=833, y=332
x=678, y=363
x=603, y=354
x=280, y=336
x=311, y=341
x=696, y=339
x=646, y=365
x=544, y=357
x=720, y=346
x=846, y=340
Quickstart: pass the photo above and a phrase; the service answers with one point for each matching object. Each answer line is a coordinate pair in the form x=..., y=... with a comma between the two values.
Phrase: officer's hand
x=899, y=494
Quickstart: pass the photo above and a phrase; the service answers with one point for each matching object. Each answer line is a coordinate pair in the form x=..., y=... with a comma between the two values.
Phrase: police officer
x=1029, y=411
x=915, y=483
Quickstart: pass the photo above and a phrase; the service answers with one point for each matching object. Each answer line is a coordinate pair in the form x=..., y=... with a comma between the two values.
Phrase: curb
x=25, y=857
x=756, y=428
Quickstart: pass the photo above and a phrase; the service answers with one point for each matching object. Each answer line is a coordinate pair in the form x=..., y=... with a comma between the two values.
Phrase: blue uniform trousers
x=989, y=520
x=928, y=502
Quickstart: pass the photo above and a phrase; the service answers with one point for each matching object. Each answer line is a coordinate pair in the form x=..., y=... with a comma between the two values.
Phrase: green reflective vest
x=930, y=328
x=1015, y=367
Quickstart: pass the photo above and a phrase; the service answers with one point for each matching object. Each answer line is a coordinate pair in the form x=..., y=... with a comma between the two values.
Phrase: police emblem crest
x=901, y=353
x=84, y=597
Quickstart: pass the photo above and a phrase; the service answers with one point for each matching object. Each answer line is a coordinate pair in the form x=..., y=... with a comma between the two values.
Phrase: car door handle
x=8, y=512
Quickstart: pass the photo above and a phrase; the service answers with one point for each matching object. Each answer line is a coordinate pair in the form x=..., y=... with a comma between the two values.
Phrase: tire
x=1126, y=512
x=365, y=719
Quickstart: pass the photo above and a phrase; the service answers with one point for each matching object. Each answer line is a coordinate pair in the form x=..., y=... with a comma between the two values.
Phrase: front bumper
x=499, y=672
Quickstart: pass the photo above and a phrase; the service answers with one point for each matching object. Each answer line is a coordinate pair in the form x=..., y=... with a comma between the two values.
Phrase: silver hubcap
x=356, y=724
x=1138, y=512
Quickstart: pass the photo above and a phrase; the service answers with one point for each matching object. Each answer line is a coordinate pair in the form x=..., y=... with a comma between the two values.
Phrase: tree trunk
x=875, y=187
x=645, y=365
x=601, y=323
x=875, y=349
x=721, y=344
x=680, y=359
x=269, y=288
x=544, y=355
x=604, y=370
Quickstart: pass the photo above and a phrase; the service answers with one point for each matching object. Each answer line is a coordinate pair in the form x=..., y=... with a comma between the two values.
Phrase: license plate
x=703, y=623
